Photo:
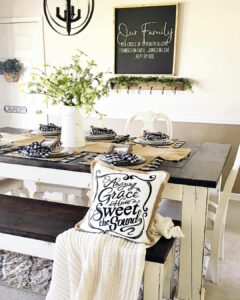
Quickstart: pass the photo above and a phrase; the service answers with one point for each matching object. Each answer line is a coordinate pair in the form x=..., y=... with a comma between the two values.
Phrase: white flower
x=95, y=83
x=75, y=100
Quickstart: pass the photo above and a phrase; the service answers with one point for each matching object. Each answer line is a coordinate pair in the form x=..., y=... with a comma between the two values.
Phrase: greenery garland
x=130, y=80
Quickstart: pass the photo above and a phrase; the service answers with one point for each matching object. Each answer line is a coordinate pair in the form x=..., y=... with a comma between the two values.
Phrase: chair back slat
x=217, y=234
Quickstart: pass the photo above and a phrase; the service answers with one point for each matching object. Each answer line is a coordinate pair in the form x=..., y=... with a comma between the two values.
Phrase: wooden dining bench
x=31, y=226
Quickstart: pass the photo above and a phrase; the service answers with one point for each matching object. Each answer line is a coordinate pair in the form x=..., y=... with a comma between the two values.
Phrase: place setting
x=121, y=155
x=49, y=129
x=46, y=149
x=104, y=134
x=156, y=139
x=122, y=159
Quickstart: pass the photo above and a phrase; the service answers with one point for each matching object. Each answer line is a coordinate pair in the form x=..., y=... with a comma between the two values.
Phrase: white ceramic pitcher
x=72, y=133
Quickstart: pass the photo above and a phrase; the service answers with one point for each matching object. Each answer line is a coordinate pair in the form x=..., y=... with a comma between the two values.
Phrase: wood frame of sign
x=145, y=39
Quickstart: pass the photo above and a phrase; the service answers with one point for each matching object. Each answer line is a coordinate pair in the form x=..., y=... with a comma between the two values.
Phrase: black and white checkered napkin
x=101, y=131
x=37, y=149
x=152, y=136
x=49, y=127
x=121, y=158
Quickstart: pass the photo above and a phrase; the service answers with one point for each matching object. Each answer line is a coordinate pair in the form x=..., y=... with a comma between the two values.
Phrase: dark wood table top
x=203, y=167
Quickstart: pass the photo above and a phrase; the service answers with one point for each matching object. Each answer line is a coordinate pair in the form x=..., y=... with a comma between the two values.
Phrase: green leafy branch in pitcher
x=77, y=84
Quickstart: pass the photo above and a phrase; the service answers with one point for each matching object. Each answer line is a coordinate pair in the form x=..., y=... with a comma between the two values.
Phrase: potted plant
x=12, y=69
x=74, y=86
x=1, y=68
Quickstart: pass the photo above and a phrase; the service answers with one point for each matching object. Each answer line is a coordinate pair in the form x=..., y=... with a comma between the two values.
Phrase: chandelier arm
x=54, y=19
x=88, y=13
x=90, y=17
x=83, y=25
x=45, y=7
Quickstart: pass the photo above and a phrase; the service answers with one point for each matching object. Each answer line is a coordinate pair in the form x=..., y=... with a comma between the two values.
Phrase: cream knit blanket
x=90, y=266
x=96, y=267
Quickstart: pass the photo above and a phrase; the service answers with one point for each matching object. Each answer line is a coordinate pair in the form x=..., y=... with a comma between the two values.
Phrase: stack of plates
x=99, y=133
x=48, y=130
x=156, y=142
x=61, y=153
x=47, y=133
x=99, y=137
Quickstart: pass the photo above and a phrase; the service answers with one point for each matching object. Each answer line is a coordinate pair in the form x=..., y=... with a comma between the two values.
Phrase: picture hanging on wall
x=145, y=39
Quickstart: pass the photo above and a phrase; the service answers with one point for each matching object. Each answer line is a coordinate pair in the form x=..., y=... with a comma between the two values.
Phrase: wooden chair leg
x=214, y=258
x=153, y=281
x=221, y=254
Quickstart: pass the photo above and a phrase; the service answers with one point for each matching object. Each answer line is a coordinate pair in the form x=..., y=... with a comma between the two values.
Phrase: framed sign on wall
x=145, y=39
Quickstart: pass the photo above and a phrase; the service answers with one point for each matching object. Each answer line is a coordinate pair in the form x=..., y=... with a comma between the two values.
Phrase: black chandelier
x=62, y=22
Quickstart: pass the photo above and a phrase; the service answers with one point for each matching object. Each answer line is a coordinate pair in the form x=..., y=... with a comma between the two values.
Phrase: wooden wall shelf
x=150, y=83
x=149, y=86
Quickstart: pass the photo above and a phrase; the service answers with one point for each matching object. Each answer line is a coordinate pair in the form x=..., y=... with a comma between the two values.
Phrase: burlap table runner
x=21, y=139
x=147, y=152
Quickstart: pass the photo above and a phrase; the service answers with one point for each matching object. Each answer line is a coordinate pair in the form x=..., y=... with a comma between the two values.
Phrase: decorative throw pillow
x=123, y=201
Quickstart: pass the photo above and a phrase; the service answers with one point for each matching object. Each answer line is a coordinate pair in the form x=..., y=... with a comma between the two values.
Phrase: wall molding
x=21, y=20
x=205, y=121
x=235, y=196
x=183, y=119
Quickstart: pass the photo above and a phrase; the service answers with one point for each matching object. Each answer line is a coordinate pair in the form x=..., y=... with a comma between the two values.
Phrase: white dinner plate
x=47, y=133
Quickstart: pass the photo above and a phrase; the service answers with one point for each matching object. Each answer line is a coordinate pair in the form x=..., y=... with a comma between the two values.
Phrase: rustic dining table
x=192, y=179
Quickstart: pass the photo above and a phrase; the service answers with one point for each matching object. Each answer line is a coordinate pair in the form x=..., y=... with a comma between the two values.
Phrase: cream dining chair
x=216, y=217
x=148, y=118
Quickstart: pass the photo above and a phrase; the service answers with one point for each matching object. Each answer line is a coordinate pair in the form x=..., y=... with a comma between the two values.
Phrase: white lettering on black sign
x=145, y=39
